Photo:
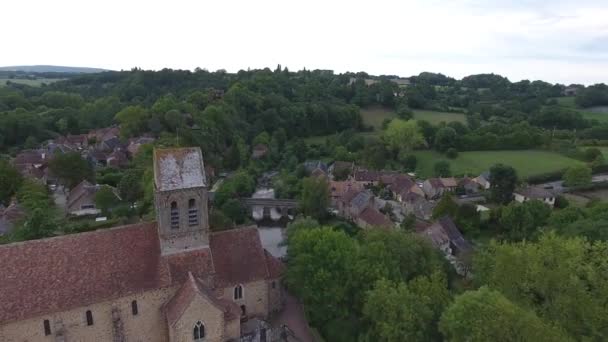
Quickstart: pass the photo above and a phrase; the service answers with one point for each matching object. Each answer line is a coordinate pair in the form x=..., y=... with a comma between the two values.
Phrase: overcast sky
x=563, y=41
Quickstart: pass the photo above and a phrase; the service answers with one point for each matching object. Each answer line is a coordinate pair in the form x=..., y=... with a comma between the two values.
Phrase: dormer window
x=174, y=216
x=192, y=213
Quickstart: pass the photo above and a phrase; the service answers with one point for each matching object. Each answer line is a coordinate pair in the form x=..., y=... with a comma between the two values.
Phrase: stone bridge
x=284, y=207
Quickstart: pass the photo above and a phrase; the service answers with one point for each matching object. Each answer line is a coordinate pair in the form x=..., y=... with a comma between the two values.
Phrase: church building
x=169, y=280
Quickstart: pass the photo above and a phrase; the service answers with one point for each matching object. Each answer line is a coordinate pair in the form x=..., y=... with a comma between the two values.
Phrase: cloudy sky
x=562, y=41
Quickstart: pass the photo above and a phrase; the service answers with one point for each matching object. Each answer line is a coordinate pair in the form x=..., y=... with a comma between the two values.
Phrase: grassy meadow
x=594, y=113
x=34, y=83
x=374, y=116
x=527, y=162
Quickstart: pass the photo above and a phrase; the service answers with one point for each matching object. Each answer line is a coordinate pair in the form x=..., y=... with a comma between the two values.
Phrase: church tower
x=180, y=196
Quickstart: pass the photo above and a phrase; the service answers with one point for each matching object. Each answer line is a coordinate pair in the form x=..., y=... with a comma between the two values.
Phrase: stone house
x=417, y=204
x=337, y=189
x=522, y=195
x=353, y=202
x=370, y=217
x=469, y=186
x=436, y=187
x=259, y=151
x=483, y=180
x=445, y=236
x=81, y=199
x=169, y=280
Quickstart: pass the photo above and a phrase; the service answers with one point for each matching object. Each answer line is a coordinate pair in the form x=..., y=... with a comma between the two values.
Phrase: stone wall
x=186, y=236
x=200, y=309
x=255, y=298
x=148, y=325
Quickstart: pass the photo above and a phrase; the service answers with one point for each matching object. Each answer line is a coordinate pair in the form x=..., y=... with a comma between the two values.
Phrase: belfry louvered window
x=199, y=331
x=192, y=213
x=174, y=216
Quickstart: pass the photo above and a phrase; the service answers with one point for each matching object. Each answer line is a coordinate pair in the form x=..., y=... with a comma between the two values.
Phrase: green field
x=595, y=113
x=34, y=83
x=527, y=163
x=374, y=116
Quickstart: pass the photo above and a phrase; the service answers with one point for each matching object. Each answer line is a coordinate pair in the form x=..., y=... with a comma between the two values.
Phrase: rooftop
x=178, y=168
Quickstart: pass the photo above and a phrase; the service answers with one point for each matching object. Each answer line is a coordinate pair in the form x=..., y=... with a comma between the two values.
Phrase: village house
x=370, y=177
x=358, y=206
x=9, y=216
x=316, y=168
x=341, y=169
x=169, y=280
x=416, y=204
x=134, y=144
x=483, y=180
x=469, y=186
x=337, y=189
x=436, y=187
x=522, y=195
x=81, y=199
x=370, y=217
x=446, y=237
x=259, y=151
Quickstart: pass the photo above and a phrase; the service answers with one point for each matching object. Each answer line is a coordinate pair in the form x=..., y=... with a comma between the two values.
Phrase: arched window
x=134, y=308
x=89, y=317
x=238, y=292
x=174, y=216
x=192, y=213
x=199, y=331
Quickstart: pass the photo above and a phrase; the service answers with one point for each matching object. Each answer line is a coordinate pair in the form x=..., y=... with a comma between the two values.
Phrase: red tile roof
x=373, y=217
x=238, y=256
x=275, y=266
x=70, y=271
x=184, y=296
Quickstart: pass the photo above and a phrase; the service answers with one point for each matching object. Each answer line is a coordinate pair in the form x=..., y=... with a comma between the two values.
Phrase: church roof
x=238, y=256
x=191, y=287
x=178, y=168
x=70, y=271
x=66, y=272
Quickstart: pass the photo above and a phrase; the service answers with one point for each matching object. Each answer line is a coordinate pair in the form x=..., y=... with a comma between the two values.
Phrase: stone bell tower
x=180, y=196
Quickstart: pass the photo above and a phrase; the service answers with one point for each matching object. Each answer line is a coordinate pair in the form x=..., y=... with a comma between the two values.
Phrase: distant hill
x=51, y=68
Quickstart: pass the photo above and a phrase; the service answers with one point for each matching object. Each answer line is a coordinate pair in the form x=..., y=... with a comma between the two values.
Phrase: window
x=199, y=331
x=243, y=310
x=134, y=309
x=89, y=317
x=87, y=206
x=238, y=292
x=192, y=213
x=274, y=284
x=174, y=216
x=47, y=327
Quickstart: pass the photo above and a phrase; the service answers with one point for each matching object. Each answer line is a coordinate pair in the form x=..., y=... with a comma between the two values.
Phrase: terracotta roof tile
x=275, y=266
x=75, y=270
x=238, y=256
x=373, y=217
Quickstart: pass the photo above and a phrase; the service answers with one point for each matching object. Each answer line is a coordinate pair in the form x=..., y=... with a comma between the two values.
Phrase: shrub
x=452, y=153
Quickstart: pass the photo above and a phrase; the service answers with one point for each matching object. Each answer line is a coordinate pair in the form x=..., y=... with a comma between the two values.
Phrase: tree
x=301, y=223
x=398, y=312
x=560, y=278
x=320, y=258
x=446, y=206
x=445, y=138
x=130, y=186
x=579, y=175
x=467, y=218
x=105, y=199
x=486, y=315
x=132, y=121
x=314, y=199
x=409, y=161
x=39, y=223
x=71, y=169
x=408, y=223
x=234, y=210
x=451, y=153
x=10, y=181
x=442, y=169
x=592, y=153
x=517, y=221
x=503, y=180
x=403, y=135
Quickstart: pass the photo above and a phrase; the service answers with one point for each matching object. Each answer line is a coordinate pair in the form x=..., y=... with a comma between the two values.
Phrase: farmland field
x=34, y=83
x=374, y=116
x=527, y=163
x=594, y=113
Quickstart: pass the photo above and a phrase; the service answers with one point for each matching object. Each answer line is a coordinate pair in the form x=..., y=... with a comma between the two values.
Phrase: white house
x=531, y=193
